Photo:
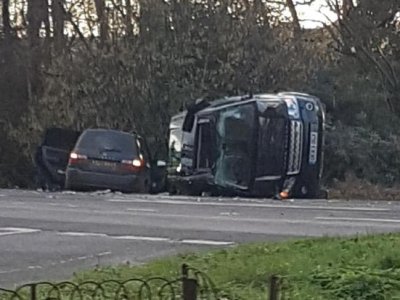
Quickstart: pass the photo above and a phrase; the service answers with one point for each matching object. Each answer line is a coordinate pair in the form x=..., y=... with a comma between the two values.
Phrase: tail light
x=133, y=165
x=75, y=158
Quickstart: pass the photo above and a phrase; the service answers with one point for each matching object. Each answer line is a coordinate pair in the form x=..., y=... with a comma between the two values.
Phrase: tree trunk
x=129, y=18
x=102, y=18
x=6, y=19
x=37, y=15
x=295, y=17
x=348, y=5
x=58, y=24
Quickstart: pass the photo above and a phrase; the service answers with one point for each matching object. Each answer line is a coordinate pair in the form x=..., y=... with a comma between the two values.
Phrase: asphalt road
x=48, y=236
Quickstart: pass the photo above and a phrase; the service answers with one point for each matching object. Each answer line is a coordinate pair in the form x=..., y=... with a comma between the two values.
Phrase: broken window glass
x=175, y=143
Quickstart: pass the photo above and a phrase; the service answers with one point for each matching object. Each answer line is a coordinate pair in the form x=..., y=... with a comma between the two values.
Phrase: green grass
x=366, y=267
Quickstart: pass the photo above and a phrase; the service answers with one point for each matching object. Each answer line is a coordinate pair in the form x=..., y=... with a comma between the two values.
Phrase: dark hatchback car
x=109, y=159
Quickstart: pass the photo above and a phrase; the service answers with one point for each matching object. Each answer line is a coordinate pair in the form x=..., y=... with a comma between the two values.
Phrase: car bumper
x=78, y=179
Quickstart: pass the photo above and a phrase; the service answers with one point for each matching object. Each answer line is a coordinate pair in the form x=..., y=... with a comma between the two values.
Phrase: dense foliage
x=132, y=64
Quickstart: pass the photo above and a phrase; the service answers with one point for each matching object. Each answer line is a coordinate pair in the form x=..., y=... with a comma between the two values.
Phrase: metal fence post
x=33, y=292
x=274, y=287
x=189, y=285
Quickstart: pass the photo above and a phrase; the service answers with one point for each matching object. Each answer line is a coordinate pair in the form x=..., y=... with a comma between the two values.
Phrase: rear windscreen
x=60, y=138
x=108, y=141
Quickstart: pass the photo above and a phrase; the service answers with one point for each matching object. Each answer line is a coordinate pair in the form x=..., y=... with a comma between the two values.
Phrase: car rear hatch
x=107, y=151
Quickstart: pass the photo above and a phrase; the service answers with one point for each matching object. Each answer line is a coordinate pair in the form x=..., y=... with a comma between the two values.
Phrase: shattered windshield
x=235, y=144
x=175, y=144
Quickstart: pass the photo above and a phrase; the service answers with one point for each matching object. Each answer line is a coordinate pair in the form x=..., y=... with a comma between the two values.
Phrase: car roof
x=236, y=99
x=297, y=94
x=104, y=130
x=274, y=97
x=219, y=102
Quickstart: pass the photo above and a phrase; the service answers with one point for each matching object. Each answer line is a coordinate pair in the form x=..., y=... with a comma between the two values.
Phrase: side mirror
x=161, y=163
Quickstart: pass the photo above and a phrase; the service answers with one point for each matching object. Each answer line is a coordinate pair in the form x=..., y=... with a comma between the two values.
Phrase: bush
x=363, y=152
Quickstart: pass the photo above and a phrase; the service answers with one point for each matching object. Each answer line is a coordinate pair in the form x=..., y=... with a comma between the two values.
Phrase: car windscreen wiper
x=110, y=149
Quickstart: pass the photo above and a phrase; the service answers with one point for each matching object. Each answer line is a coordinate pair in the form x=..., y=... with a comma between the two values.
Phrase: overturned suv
x=266, y=145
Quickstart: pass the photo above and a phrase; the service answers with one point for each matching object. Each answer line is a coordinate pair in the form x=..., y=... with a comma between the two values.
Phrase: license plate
x=102, y=163
x=312, y=158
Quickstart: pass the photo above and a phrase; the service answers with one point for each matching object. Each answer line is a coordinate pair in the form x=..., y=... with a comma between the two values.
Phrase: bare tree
x=367, y=32
x=295, y=17
x=37, y=16
x=348, y=5
x=128, y=18
x=58, y=16
x=6, y=19
x=102, y=19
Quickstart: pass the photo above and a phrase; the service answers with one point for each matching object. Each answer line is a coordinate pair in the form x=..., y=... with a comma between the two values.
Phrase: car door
x=52, y=155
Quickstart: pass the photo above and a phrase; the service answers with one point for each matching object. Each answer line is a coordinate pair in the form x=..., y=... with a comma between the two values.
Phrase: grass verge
x=366, y=267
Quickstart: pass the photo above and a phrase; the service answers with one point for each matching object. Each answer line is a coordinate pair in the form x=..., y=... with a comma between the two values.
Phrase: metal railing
x=191, y=285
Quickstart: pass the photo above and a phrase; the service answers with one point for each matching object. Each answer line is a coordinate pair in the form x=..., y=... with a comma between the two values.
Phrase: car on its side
x=264, y=145
x=109, y=159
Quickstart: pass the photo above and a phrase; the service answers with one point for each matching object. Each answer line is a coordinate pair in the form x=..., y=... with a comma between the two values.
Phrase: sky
x=313, y=13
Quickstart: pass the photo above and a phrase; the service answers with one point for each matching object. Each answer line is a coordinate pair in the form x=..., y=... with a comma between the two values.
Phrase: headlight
x=293, y=107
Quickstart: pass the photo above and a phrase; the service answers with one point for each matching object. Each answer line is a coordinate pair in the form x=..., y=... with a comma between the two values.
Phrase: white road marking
x=229, y=213
x=16, y=230
x=207, y=242
x=9, y=271
x=103, y=253
x=35, y=267
x=358, y=219
x=238, y=219
x=63, y=205
x=83, y=234
x=141, y=238
x=250, y=205
x=141, y=209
